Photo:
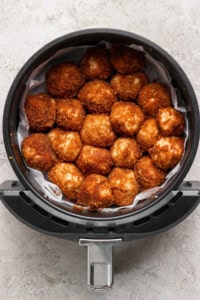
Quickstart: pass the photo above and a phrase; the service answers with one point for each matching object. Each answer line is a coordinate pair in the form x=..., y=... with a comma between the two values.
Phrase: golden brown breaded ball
x=167, y=152
x=154, y=96
x=70, y=114
x=125, y=152
x=126, y=118
x=66, y=144
x=40, y=111
x=125, y=59
x=124, y=186
x=97, y=96
x=170, y=121
x=97, y=131
x=147, y=174
x=67, y=177
x=148, y=134
x=37, y=152
x=95, y=191
x=95, y=64
x=94, y=160
x=64, y=80
x=127, y=87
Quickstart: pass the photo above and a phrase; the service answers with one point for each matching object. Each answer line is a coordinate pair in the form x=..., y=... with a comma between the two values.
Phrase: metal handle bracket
x=100, y=262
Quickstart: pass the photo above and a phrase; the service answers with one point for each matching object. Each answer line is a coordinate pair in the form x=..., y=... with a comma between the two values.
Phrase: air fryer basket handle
x=100, y=262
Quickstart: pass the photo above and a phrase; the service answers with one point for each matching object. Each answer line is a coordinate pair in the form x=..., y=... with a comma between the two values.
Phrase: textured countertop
x=35, y=266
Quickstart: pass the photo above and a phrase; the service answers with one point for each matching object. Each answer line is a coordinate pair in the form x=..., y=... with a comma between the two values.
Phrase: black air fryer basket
x=96, y=230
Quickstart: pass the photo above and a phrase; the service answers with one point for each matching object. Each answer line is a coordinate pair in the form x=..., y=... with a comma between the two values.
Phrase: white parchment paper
x=155, y=71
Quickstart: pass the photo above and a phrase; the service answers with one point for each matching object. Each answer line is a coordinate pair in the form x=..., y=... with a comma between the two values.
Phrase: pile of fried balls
x=103, y=133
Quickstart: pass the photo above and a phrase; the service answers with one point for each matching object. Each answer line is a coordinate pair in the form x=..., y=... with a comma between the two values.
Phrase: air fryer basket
x=96, y=229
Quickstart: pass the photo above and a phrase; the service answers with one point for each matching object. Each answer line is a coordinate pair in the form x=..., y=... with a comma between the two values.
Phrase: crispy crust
x=148, y=134
x=124, y=186
x=125, y=152
x=127, y=87
x=167, y=152
x=126, y=60
x=147, y=174
x=37, y=152
x=70, y=114
x=40, y=111
x=170, y=121
x=95, y=191
x=66, y=144
x=67, y=177
x=97, y=131
x=95, y=64
x=64, y=80
x=154, y=96
x=126, y=118
x=97, y=96
x=94, y=160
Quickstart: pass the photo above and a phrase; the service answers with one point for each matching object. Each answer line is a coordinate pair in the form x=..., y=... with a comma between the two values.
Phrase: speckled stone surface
x=35, y=266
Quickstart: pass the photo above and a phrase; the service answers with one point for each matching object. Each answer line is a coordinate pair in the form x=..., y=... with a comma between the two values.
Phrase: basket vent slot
x=60, y=221
x=25, y=198
x=141, y=221
x=176, y=198
x=161, y=210
x=40, y=210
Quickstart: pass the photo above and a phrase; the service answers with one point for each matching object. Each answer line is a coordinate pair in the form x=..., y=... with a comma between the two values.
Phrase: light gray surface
x=35, y=266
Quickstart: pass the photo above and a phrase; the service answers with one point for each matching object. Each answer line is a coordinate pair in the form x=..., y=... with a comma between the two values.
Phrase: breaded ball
x=170, y=121
x=66, y=144
x=67, y=177
x=167, y=152
x=97, y=131
x=95, y=64
x=125, y=152
x=40, y=111
x=37, y=152
x=148, y=134
x=95, y=191
x=97, y=96
x=147, y=174
x=64, y=80
x=127, y=87
x=154, y=96
x=70, y=114
x=125, y=59
x=126, y=118
x=124, y=186
x=94, y=160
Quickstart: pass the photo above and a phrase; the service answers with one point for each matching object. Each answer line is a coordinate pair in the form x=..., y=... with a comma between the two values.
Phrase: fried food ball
x=66, y=144
x=147, y=174
x=95, y=64
x=167, y=152
x=148, y=134
x=64, y=80
x=94, y=160
x=125, y=59
x=70, y=114
x=37, y=152
x=127, y=87
x=154, y=96
x=95, y=191
x=126, y=118
x=97, y=131
x=40, y=111
x=124, y=186
x=97, y=96
x=125, y=152
x=170, y=121
x=67, y=177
